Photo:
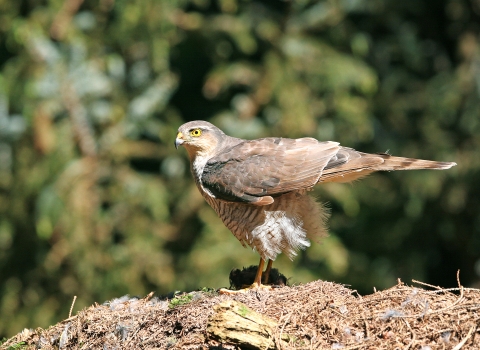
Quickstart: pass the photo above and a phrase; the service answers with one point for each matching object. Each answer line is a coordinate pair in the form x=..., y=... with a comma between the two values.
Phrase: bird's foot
x=254, y=287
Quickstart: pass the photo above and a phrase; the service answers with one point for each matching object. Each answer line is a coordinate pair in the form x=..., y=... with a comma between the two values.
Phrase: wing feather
x=267, y=167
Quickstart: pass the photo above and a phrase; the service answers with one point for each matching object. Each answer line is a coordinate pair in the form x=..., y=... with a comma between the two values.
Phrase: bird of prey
x=259, y=187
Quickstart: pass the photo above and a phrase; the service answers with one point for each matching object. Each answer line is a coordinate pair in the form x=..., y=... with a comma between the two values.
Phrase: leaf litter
x=316, y=315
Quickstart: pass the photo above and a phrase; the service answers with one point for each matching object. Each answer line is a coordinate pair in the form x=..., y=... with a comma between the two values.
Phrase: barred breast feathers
x=286, y=226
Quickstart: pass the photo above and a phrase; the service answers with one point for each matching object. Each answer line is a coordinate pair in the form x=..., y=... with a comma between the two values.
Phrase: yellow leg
x=257, y=283
x=258, y=277
x=267, y=272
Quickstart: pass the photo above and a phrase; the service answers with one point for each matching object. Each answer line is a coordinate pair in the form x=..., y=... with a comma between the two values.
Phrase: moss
x=180, y=300
x=243, y=310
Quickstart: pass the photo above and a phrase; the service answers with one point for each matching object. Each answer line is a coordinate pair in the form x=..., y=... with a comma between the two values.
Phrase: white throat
x=198, y=165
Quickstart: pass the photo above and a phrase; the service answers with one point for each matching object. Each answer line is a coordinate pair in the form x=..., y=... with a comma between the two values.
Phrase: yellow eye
x=195, y=132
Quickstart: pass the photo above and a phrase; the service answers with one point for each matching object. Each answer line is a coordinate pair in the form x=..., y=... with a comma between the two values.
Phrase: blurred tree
x=95, y=201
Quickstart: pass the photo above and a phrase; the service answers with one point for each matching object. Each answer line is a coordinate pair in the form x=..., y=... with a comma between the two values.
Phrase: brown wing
x=253, y=170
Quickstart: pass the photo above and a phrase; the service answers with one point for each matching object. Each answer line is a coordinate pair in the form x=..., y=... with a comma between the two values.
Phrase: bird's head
x=199, y=138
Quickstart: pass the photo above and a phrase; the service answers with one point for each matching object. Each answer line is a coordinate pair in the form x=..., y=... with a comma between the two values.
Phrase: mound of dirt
x=316, y=315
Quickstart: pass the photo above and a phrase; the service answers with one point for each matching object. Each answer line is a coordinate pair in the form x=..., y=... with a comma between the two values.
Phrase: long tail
x=349, y=165
x=401, y=163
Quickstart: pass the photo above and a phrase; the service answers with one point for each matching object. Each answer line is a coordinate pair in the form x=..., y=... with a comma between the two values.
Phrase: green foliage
x=96, y=202
x=17, y=346
x=185, y=298
x=180, y=300
x=21, y=345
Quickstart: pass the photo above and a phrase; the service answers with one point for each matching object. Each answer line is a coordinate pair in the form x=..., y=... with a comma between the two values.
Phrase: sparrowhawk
x=259, y=187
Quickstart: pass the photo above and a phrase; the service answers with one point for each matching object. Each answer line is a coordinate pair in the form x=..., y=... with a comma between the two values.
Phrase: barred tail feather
x=352, y=165
x=401, y=163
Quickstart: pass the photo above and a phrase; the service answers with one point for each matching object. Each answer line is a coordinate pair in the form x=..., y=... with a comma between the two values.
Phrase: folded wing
x=267, y=167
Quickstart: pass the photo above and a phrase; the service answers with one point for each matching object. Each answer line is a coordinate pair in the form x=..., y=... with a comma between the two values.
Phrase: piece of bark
x=235, y=323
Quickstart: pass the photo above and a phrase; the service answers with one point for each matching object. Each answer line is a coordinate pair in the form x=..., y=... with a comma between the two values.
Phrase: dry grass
x=317, y=315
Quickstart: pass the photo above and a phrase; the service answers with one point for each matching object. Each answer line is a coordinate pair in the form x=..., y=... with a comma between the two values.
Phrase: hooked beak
x=179, y=140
